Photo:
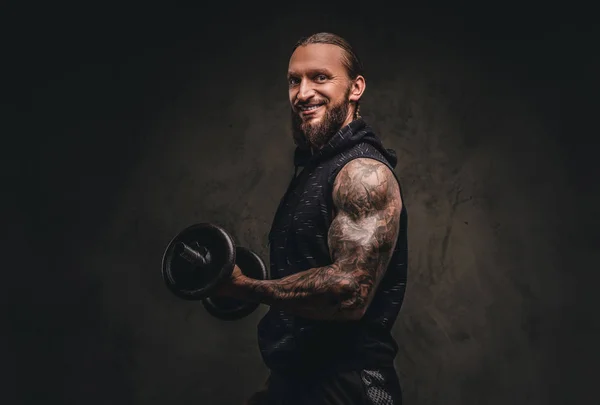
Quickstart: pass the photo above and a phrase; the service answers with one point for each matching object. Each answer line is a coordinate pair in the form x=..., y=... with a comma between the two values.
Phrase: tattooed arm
x=361, y=240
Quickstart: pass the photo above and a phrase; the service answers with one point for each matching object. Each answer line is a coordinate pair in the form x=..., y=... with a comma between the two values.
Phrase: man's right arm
x=361, y=239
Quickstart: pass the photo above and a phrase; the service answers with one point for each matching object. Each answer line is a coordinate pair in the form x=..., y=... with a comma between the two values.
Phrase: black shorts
x=358, y=387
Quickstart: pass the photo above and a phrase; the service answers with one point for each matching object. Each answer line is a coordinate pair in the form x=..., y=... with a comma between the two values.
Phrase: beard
x=315, y=135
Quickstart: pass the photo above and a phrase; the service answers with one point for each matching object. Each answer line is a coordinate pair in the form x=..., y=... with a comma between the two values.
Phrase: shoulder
x=365, y=184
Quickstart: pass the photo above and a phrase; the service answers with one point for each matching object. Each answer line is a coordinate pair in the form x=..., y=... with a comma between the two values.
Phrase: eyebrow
x=311, y=72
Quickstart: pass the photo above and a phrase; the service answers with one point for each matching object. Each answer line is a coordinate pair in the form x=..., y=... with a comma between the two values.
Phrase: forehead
x=316, y=56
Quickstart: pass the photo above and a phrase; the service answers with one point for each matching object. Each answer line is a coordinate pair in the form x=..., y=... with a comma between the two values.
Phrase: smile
x=306, y=109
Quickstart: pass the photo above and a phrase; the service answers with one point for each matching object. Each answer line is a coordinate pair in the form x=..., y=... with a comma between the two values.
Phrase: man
x=338, y=246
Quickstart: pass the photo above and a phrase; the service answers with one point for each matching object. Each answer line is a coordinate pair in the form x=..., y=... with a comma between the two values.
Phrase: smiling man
x=320, y=91
x=338, y=245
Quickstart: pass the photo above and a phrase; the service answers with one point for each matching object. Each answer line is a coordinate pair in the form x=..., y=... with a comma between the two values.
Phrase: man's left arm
x=361, y=239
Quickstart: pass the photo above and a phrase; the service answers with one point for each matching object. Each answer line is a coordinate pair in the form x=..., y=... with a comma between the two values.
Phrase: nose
x=305, y=91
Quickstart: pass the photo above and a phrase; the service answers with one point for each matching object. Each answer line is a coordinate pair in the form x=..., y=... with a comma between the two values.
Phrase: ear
x=357, y=88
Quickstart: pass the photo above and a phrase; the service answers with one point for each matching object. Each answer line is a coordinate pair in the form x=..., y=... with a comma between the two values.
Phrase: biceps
x=365, y=243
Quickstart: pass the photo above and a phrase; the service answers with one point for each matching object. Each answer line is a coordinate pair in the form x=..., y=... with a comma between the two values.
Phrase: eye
x=321, y=77
x=292, y=81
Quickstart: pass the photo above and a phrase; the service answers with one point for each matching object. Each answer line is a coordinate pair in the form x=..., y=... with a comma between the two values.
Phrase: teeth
x=312, y=107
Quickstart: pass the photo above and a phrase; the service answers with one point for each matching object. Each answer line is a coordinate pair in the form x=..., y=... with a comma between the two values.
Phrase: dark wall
x=132, y=124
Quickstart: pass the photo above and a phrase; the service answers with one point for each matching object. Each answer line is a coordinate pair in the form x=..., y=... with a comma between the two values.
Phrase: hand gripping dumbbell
x=199, y=258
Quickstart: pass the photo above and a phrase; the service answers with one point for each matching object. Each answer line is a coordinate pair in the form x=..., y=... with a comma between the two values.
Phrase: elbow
x=354, y=302
x=354, y=313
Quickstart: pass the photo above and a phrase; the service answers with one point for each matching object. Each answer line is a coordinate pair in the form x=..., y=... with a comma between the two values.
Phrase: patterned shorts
x=360, y=387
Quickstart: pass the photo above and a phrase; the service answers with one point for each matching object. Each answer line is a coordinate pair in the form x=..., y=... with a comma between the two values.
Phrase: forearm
x=325, y=293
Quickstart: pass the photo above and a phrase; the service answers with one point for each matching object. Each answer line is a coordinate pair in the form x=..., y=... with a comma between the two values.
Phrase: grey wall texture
x=134, y=125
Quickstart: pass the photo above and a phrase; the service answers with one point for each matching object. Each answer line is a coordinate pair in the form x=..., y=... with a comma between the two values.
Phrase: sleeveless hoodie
x=298, y=242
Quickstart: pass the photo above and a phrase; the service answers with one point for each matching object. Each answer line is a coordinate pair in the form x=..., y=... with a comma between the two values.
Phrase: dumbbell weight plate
x=188, y=281
x=226, y=308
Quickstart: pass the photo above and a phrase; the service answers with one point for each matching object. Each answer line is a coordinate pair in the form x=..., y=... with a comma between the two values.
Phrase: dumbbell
x=202, y=256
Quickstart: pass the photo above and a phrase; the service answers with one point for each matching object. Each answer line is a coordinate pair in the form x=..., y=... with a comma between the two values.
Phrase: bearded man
x=338, y=245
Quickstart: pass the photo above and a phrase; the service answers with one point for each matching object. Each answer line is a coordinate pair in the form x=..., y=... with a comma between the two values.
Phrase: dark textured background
x=131, y=124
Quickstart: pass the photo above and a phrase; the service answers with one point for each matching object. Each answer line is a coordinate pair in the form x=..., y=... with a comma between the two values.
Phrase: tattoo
x=361, y=239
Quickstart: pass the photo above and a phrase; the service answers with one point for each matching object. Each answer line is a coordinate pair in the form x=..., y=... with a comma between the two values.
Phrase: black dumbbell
x=199, y=258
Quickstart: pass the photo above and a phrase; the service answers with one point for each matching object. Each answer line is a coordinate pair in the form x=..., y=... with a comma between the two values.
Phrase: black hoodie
x=298, y=242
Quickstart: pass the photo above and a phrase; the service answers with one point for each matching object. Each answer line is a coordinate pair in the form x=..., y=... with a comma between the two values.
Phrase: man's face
x=319, y=90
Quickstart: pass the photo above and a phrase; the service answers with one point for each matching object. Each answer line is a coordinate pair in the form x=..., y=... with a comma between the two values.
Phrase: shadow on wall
x=176, y=134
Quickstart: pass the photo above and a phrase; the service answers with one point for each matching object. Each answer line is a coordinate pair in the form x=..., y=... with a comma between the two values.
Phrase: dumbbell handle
x=193, y=256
